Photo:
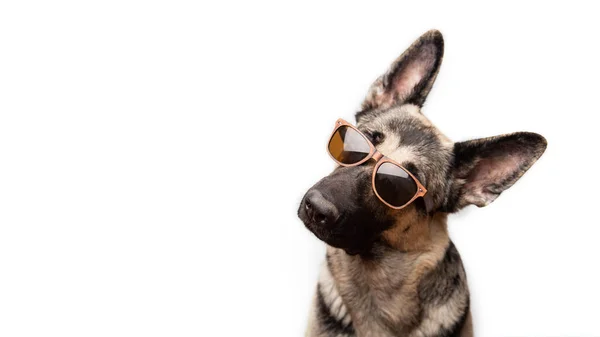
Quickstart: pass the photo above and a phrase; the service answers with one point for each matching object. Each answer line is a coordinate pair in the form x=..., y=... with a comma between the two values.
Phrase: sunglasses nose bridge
x=377, y=156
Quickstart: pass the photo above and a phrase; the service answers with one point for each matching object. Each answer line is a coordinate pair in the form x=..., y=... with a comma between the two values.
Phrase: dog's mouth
x=321, y=233
x=334, y=239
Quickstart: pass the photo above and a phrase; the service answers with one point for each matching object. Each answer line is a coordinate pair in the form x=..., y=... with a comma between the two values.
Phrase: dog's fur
x=395, y=272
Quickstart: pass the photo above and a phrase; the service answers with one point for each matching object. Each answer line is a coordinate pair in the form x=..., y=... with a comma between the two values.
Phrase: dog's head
x=342, y=209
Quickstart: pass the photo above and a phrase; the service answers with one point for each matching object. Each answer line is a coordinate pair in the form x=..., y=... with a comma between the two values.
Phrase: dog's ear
x=484, y=168
x=411, y=76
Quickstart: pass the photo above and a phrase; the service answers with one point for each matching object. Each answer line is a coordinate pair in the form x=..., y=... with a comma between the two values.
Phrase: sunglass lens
x=394, y=185
x=348, y=146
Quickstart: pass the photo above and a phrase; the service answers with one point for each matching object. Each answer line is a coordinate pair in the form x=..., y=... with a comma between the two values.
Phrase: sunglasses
x=392, y=183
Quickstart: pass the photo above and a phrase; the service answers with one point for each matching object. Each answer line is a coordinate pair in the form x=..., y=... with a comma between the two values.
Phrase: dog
x=395, y=272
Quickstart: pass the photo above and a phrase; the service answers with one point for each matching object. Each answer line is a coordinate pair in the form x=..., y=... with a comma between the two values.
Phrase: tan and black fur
x=396, y=272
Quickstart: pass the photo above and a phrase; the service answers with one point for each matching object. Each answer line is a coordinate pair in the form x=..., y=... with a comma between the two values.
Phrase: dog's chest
x=378, y=296
x=403, y=294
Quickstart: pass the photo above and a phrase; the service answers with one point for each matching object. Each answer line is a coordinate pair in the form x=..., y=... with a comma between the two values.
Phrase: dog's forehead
x=409, y=135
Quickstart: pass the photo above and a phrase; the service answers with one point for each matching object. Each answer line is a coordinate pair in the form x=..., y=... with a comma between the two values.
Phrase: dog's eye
x=375, y=137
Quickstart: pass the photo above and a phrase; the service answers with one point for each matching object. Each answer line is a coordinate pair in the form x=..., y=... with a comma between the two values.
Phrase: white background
x=153, y=154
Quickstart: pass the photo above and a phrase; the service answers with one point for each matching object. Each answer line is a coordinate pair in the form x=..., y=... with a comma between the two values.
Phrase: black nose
x=319, y=209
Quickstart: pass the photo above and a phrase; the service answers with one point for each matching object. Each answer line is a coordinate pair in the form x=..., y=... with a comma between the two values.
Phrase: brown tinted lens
x=348, y=146
x=394, y=185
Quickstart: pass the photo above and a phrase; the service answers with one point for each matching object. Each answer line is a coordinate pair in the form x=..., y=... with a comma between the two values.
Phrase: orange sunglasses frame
x=379, y=160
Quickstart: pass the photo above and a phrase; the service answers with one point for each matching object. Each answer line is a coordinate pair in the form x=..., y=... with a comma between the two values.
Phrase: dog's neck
x=380, y=289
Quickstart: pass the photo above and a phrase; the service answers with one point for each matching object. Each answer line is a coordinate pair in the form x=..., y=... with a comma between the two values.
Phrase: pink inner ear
x=489, y=172
x=413, y=72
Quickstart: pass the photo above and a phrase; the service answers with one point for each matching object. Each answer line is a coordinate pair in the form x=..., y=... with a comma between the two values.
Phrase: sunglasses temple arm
x=428, y=202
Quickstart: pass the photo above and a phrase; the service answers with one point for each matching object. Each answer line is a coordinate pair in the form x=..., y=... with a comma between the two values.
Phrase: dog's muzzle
x=318, y=210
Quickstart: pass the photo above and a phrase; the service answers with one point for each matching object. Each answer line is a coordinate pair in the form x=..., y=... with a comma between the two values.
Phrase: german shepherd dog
x=395, y=272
